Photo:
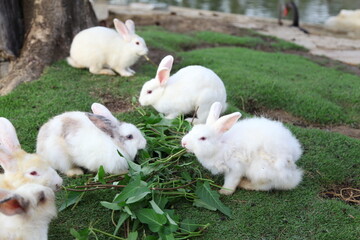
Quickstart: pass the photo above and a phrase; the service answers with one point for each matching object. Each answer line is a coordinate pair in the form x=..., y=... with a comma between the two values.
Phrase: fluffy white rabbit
x=21, y=167
x=255, y=153
x=25, y=213
x=103, y=50
x=79, y=139
x=192, y=88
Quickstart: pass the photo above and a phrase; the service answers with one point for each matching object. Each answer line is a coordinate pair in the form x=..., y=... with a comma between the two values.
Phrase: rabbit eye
x=202, y=138
x=137, y=43
x=129, y=137
x=149, y=91
x=34, y=173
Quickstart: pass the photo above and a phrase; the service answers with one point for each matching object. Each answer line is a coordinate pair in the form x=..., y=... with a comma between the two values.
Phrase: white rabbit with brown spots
x=78, y=139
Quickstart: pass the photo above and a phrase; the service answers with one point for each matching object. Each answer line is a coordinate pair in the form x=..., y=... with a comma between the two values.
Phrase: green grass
x=253, y=79
x=169, y=41
x=283, y=81
x=220, y=38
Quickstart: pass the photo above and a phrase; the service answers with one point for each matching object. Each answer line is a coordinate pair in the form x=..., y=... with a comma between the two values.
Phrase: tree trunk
x=50, y=26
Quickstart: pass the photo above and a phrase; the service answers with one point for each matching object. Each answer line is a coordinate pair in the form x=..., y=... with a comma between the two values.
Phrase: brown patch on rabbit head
x=69, y=126
x=102, y=123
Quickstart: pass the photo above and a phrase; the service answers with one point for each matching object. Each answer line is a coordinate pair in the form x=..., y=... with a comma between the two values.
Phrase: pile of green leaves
x=144, y=204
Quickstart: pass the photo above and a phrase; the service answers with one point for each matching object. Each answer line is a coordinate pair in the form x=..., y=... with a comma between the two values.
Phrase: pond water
x=311, y=11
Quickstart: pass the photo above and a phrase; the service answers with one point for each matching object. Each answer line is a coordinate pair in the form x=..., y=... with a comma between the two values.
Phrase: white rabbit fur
x=25, y=213
x=87, y=140
x=21, y=167
x=101, y=49
x=255, y=153
x=191, y=88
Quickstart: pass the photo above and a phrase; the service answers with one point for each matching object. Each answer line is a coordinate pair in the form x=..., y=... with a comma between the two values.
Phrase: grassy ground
x=254, y=79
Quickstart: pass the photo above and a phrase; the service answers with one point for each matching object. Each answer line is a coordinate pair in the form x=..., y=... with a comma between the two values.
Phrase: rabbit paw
x=73, y=172
x=224, y=191
x=107, y=72
x=103, y=71
x=130, y=70
x=126, y=73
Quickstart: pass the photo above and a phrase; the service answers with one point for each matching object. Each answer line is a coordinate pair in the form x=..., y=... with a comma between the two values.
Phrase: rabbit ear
x=224, y=123
x=164, y=69
x=9, y=143
x=103, y=123
x=214, y=113
x=166, y=62
x=11, y=204
x=130, y=26
x=122, y=29
x=8, y=137
x=101, y=110
x=6, y=161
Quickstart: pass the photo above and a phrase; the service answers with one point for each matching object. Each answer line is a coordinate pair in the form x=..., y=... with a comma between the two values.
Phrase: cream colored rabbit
x=21, y=167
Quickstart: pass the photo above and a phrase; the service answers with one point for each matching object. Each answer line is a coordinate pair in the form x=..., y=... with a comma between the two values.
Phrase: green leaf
x=71, y=198
x=128, y=211
x=200, y=203
x=188, y=225
x=186, y=176
x=122, y=219
x=100, y=175
x=80, y=235
x=112, y=206
x=139, y=194
x=171, y=221
x=134, y=169
x=161, y=200
x=156, y=208
x=151, y=238
x=149, y=216
x=133, y=192
x=167, y=237
x=211, y=198
x=133, y=235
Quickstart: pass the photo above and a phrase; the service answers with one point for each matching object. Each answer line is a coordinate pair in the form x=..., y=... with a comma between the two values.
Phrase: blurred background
x=311, y=11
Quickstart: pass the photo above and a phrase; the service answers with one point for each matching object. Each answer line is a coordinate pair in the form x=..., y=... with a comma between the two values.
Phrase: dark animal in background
x=284, y=11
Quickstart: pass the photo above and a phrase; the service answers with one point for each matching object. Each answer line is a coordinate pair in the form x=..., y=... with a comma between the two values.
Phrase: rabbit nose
x=183, y=144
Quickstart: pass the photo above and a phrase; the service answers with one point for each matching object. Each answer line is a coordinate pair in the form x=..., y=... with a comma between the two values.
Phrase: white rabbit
x=101, y=49
x=25, y=213
x=255, y=153
x=193, y=88
x=79, y=139
x=21, y=167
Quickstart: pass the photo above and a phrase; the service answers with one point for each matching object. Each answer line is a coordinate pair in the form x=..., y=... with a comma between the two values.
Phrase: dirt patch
x=282, y=116
x=285, y=117
x=155, y=55
x=115, y=104
x=346, y=193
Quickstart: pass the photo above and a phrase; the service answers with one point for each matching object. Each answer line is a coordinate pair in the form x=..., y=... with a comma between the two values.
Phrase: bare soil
x=114, y=103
